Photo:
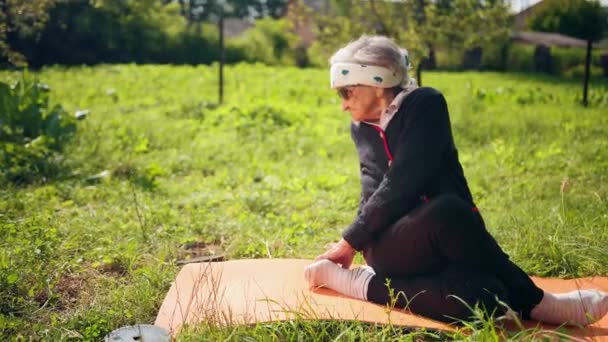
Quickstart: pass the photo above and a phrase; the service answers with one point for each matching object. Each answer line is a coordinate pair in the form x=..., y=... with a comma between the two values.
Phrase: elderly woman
x=417, y=226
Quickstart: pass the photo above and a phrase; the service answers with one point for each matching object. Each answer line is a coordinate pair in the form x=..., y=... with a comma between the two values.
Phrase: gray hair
x=378, y=51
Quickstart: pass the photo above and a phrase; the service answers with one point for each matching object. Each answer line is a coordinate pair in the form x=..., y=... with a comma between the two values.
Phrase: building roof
x=234, y=26
x=547, y=39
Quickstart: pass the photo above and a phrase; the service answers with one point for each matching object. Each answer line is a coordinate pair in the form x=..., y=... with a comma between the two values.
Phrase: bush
x=32, y=132
x=449, y=59
x=578, y=71
x=146, y=31
x=85, y=32
x=494, y=57
x=565, y=59
x=271, y=42
x=318, y=55
x=201, y=46
x=576, y=18
x=520, y=58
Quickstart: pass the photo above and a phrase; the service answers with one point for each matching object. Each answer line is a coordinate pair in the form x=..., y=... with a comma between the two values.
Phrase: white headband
x=345, y=74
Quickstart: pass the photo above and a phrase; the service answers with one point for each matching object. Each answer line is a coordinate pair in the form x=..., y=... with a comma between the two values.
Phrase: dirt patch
x=72, y=287
x=199, y=249
x=115, y=268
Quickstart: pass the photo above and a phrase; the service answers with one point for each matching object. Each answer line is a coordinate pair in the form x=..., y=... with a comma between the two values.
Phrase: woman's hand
x=340, y=253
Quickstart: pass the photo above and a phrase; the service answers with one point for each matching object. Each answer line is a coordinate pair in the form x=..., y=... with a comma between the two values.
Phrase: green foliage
x=32, y=131
x=82, y=31
x=520, y=58
x=494, y=57
x=20, y=18
x=192, y=46
x=394, y=19
x=416, y=25
x=110, y=31
x=199, y=10
x=451, y=59
x=271, y=42
x=26, y=250
x=565, y=59
x=569, y=62
x=583, y=19
x=578, y=71
x=457, y=24
x=302, y=329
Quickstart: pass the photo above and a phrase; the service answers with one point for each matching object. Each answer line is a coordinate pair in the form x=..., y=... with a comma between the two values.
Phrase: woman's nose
x=345, y=105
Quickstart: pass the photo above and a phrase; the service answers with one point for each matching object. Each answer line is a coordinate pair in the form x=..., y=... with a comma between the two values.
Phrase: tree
x=419, y=25
x=104, y=31
x=197, y=11
x=583, y=19
x=20, y=18
x=348, y=20
x=473, y=27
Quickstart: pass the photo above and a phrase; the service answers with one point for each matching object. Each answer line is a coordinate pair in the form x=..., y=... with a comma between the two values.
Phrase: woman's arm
x=417, y=161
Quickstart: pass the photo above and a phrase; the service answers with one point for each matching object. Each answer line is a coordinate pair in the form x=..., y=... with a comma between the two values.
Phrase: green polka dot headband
x=345, y=74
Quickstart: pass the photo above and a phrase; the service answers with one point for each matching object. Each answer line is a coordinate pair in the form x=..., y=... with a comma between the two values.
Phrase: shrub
x=201, y=45
x=32, y=132
x=565, y=59
x=145, y=31
x=449, y=59
x=578, y=71
x=318, y=55
x=520, y=58
x=494, y=57
x=577, y=18
x=270, y=42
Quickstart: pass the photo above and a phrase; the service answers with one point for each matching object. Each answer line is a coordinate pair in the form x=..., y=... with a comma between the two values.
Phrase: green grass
x=273, y=172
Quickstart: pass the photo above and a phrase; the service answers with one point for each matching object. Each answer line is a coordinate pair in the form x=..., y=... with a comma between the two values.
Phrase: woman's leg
x=447, y=232
x=443, y=232
x=446, y=295
x=441, y=296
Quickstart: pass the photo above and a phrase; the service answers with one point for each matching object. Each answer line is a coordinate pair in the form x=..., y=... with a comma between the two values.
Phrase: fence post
x=587, y=66
x=221, y=29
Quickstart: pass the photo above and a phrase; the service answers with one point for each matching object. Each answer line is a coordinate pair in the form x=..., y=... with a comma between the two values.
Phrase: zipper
x=386, y=149
x=382, y=134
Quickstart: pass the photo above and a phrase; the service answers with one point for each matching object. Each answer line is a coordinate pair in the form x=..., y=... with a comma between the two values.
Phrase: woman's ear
x=384, y=93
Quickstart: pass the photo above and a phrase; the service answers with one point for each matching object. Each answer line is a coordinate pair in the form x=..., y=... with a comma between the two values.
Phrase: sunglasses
x=345, y=92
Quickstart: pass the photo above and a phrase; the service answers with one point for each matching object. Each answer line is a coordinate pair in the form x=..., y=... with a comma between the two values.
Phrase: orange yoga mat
x=263, y=290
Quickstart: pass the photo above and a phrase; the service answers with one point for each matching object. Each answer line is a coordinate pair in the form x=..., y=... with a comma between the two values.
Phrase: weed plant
x=159, y=172
x=32, y=131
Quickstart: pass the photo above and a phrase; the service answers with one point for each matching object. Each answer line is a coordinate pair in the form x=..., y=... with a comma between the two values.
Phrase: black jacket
x=425, y=164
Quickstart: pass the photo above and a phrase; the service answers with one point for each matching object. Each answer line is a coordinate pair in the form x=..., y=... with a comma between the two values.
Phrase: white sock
x=579, y=307
x=352, y=283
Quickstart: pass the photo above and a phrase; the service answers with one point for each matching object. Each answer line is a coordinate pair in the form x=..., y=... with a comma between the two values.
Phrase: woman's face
x=363, y=102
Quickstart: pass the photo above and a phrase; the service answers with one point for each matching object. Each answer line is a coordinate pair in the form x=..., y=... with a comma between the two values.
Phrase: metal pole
x=221, y=29
x=587, y=66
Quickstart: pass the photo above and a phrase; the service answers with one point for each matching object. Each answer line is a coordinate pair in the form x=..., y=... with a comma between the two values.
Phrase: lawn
x=158, y=172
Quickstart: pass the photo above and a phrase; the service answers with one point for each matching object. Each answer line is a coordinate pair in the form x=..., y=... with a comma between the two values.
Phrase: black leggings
x=441, y=251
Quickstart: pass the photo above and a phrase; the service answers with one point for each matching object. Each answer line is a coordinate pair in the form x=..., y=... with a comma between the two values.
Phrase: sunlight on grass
x=157, y=167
